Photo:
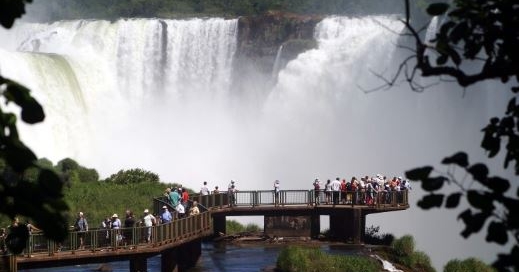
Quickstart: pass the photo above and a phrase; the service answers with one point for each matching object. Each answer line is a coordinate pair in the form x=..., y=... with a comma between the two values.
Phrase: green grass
x=292, y=259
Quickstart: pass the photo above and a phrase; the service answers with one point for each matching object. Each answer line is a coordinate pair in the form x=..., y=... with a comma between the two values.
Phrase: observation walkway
x=179, y=242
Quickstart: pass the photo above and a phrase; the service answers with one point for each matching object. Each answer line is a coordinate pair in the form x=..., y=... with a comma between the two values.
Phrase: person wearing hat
x=194, y=209
x=149, y=221
x=165, y=216
x=317, y=189
x=277, y=188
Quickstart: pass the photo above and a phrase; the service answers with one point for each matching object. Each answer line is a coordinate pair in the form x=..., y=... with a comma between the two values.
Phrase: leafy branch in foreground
x=40, y=200
x=477, y=41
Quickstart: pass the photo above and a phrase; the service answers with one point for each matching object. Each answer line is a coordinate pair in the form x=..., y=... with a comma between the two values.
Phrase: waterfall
x=158, y=94
x=277, y=64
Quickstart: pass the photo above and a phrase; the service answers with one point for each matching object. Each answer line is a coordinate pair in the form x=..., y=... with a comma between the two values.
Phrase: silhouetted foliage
x=37, y=195
x=476, y=41
x=373, y=236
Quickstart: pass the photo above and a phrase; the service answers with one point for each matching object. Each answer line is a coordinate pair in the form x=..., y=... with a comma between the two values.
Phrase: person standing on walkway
x=317, y=191
x=165, y=216
x=129, y=223
x=204, y=190
x=81, y=226
x=149, y=221
x=336, y=189
x=276, y=192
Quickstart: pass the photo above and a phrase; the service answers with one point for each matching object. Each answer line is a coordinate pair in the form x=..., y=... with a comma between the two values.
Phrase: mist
x=115, y=99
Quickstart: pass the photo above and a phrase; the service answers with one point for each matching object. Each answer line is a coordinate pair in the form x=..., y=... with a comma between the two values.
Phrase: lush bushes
x=292, y=259
x=404, y=253
x=468, y=265
x=373, y=237
x=233, y=227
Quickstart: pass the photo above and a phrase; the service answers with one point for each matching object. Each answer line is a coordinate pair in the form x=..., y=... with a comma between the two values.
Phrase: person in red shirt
x=185, y=199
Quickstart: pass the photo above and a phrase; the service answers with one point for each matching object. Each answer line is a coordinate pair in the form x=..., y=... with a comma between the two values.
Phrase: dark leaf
x=480, y=201
x=458, y=32
x=473, y=222
x=433, y=184
x=497, y=184
x=442, y=59
x=11, y=10
x=479, y=172
x=421, y=173
x=491, y=144
x=437, y=9
x=431, y=201
x=32, y=111
x=19, y=157
x=453, y=201
x=459, y=158
x=497, y=233
x=511, y=106
x=17, y=238
x=50, y=184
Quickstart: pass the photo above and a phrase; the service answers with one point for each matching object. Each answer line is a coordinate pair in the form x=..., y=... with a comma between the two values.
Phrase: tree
x=40, y=200
x=478, y=40
x=133, y=176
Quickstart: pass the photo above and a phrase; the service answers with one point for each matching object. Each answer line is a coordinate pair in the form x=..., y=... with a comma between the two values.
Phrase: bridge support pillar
x=8, y=263
x=138, y=264
x=315, y=226
x=219, y=225
x=348, y=226
x=169, y=261
x=188, y=254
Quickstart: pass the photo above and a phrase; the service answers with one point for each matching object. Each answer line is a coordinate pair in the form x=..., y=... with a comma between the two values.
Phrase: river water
x=215, y=258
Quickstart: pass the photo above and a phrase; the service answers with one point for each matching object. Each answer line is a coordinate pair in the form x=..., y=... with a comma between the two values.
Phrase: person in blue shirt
x=165, y=216
x=174, y=197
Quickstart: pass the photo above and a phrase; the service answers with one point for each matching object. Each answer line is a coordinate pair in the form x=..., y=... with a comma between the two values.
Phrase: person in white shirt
x=149, y=221
x=336, y=187
x=276, y=192
x=204, y=190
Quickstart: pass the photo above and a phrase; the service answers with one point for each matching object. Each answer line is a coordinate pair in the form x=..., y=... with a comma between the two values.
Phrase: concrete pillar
x=219, y=225
x=348, y=226
x=138, y=264
x=315, y=225
x=169, y=261
x=188, y=254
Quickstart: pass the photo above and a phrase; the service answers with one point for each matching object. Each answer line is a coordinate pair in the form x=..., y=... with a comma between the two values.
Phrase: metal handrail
x=130, y=238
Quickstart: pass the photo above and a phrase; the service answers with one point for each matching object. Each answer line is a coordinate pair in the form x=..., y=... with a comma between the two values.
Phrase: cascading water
x=156, y=94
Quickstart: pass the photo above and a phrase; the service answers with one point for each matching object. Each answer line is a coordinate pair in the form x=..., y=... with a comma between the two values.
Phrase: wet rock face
x=261, y=36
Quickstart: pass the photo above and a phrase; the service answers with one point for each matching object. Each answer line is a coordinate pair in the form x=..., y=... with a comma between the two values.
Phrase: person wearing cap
x=149, y=221
x=277, y=188
x=165, y=216
x=81, y=226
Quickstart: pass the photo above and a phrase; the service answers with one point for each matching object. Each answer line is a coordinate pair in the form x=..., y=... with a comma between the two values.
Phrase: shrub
x=404, y=246
x=293, y=259
x=468, y=265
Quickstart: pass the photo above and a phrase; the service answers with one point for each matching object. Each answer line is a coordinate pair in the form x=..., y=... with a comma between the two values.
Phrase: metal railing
x=98, y=240
x=135, y=237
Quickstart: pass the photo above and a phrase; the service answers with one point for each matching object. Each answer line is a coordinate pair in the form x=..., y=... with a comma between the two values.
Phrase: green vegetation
x=403, y=252
x=373, y=236
x=292, y=259
x=112, y=9
x=234, y=227
x=468, y=265
x=131, y=189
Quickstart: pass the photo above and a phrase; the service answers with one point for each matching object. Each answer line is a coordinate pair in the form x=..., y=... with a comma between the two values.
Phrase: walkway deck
x=102, y=245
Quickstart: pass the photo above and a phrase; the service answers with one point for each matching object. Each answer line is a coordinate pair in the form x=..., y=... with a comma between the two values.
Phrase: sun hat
x=115, y=215
x=164, y=207
x=146, y=211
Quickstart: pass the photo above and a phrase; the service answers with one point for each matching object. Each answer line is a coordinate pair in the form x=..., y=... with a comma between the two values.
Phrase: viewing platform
x=179, y=242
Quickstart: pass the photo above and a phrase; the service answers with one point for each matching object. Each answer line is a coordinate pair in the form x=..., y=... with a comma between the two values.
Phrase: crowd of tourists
x=366, y=191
